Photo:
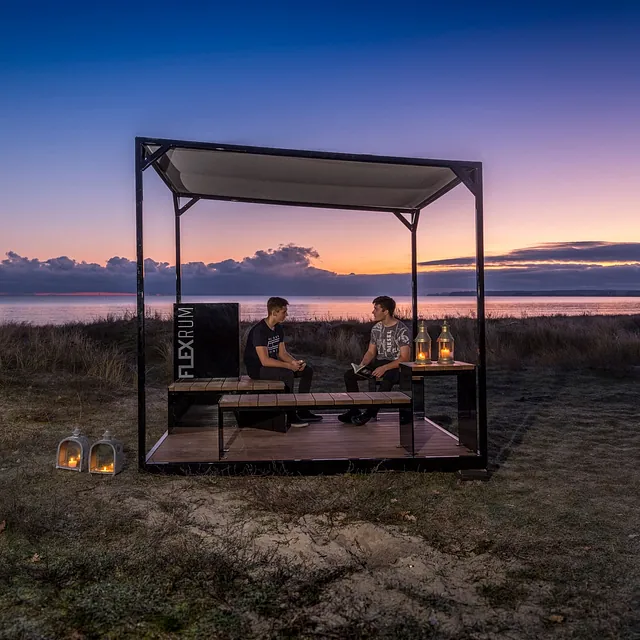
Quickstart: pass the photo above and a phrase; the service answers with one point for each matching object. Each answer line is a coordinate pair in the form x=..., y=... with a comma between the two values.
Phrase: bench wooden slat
x=397, y=397
x=286, y=400
x=323, y=398
x=244, y=384
x=215, y=384
x=267, y=400
x=248, y=400
x=261, y=385
x=378, y=396
x=304, y=400
x=342, y=398
x=229, y=401
x=361, y=398
x=289, y=400
x=180, y=386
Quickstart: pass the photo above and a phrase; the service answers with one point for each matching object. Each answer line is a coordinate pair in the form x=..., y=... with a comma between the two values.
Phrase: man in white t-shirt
x=390, y=344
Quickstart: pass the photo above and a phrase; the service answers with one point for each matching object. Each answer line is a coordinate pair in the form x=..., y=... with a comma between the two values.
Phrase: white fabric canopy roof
x=301, y=178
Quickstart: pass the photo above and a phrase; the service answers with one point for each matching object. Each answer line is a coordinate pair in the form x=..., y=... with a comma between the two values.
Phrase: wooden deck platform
x=329, y=439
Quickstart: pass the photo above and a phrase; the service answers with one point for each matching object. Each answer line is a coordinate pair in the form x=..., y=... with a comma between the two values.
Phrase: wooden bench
x=184, y=393
x=289, y=401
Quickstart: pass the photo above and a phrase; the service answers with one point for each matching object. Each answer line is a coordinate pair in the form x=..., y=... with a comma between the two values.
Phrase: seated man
x=389, y=346
x=266, y=358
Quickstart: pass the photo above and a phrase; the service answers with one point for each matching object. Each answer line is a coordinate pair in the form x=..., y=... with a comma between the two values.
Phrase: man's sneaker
x=305, y=414
x=364, y=417
x=297, y=421
x=347, y=416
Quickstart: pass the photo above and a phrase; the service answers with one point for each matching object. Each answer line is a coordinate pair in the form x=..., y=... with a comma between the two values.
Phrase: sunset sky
x=547, y=96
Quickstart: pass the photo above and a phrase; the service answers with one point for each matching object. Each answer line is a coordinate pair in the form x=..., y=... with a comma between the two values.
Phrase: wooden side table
x=412, y=377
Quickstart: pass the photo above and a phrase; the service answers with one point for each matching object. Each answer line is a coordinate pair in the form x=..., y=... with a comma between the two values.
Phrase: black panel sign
x=206, y=340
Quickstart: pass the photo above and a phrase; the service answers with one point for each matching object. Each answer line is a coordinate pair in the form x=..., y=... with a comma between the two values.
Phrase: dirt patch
x=378, y=571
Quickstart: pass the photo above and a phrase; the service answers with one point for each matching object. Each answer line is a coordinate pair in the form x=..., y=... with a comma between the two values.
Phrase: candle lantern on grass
x=423, y=345
x=445, y=346
x=73, y=452
x=106, y=456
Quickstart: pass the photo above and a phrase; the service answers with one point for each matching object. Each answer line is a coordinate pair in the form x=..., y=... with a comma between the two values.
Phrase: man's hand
x=296, y=365
x=379, y=372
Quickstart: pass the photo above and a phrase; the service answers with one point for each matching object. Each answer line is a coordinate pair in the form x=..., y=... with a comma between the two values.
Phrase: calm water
x=61, y=309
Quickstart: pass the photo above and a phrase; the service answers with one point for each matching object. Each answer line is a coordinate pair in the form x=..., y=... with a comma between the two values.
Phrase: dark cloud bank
x=288, y=270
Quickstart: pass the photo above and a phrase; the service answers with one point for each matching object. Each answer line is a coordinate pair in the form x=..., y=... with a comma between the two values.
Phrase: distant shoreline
x=599, y=293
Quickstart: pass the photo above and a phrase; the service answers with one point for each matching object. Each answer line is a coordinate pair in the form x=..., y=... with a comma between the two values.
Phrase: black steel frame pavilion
x=212, y=171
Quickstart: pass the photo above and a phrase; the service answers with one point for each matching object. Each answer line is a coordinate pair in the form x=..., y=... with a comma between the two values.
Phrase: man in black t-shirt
x=266, y=358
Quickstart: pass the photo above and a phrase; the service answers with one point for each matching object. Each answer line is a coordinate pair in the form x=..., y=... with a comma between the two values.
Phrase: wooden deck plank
x=323, y=440
x=199, y=386
x=230, y=385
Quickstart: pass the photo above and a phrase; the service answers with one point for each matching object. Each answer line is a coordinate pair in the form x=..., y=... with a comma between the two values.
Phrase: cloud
x=289, y=270
x=579, y=253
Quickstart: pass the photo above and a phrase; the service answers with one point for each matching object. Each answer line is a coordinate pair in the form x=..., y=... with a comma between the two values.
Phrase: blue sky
x=547, y=96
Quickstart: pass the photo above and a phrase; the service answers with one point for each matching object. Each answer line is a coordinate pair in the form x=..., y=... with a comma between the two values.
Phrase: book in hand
x=362, y=370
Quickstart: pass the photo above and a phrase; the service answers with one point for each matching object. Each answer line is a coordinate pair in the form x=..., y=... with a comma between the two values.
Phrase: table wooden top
x=419, y=367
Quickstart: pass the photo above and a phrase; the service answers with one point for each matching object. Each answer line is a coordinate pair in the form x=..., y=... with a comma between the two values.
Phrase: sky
x=546, y=96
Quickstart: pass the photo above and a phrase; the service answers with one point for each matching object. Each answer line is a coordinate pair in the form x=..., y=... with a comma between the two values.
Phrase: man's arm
x=285, y=356
x=266, y=361
x=405, y=355
x=369, y=355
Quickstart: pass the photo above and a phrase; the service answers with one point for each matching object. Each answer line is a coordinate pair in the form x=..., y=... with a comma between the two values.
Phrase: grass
x=550, y=547
x=106, y=349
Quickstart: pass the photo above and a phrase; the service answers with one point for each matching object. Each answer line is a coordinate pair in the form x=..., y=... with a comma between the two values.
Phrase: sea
x=62, y=309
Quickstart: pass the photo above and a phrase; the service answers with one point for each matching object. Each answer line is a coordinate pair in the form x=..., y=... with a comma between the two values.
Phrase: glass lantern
x=73, y=452
x=423, y=345
x=445, y=346
x=106, y=456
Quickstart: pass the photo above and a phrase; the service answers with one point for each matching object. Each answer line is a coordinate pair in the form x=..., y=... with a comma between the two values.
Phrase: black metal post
x=414, y=276
x=142, y=447
x=176, y=209
x=482, y=355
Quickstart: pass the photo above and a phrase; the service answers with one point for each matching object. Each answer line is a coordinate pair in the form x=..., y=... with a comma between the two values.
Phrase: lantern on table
x=106, y=456
x=73, y=452
x=423, y=345
x=445, y=345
